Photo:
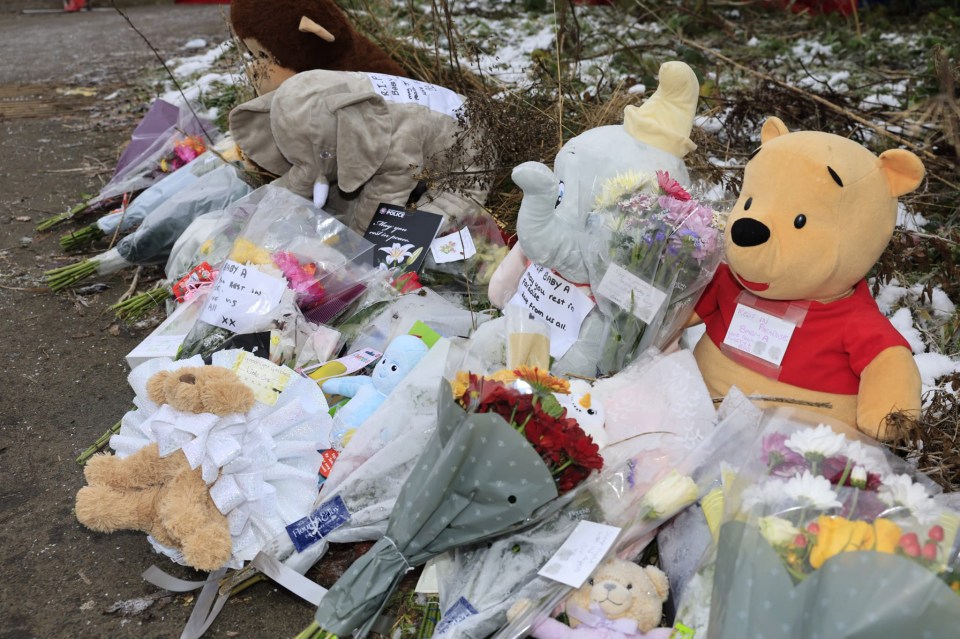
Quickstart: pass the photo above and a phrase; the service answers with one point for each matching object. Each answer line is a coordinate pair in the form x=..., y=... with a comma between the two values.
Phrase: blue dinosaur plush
x=368, y=393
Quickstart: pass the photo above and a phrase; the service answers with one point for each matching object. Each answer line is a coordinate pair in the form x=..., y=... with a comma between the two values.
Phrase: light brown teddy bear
x=621, y=600
x=790, y=313
x=163, y=496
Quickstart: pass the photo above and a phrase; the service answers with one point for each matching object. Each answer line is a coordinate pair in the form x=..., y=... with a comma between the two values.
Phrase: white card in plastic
x=241, y=296
x=555, y=301
x=760, y=334
x=266, y=379
x=631, y=293
x=429, y=583
x=580, y=554
x=454, y=247
x=407, y=91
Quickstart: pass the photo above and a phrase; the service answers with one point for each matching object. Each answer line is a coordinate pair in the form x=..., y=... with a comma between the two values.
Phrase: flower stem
x=98, y=445
x=314, y=631
x=140, y=304
x=81, y=239
x=60, y=217
x=61, y=278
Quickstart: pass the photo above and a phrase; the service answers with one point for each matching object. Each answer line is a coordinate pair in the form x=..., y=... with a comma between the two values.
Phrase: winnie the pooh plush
x=164, y=496
x=790, y=314
x=621, y=600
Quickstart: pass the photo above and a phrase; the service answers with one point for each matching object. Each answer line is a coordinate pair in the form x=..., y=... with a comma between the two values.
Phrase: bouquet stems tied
x=98, y=445
x=81, y=239
x=141, y=303
x=60, y=278
x=314, y=631
x=50, y=222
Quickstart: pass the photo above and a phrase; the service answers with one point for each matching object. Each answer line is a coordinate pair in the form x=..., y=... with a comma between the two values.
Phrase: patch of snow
x=889, y=296
x=806, y=49
x=637, y=88
x=510, y=63
x=199, y=63
x=196, y=43
x=709, y=123
x=934, y=366
x=752, y=42
x=650, y=27
x=902, y=320
x=908, y=219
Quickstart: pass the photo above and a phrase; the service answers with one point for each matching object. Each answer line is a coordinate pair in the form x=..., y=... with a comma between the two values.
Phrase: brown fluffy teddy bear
x=621, y=600
x=163, y=496
x=289, y=36
x=790, y=313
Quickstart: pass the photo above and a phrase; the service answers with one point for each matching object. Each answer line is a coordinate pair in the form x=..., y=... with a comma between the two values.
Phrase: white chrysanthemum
x=900, y=490
x=817, y=443
x=811, y=490
x=869, y=457
x=776, y=530
x=764, y=494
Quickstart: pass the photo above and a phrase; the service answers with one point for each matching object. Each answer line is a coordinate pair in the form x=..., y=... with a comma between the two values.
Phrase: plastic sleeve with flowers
x=650, y=249
x=662, y=498
x=814, y=513
x=291, y=260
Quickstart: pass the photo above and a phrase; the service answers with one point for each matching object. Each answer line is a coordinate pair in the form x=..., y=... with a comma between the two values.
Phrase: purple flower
x=778, y=458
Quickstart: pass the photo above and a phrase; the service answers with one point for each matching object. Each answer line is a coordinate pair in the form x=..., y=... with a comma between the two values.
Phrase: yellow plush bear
x=163, y=496
x=790, y=314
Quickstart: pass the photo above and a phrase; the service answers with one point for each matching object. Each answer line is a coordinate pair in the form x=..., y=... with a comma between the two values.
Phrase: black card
x=401, y=237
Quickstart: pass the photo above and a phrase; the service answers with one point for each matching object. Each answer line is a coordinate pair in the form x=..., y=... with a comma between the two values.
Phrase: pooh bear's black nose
x=748, y=232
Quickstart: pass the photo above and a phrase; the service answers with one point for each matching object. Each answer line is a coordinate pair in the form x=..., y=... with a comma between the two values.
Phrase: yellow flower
x=246, y=252
x=838, y=534
x=504, y=376
x=206, y=247
x=542, y=380
x=460, y=383
x=621, y=185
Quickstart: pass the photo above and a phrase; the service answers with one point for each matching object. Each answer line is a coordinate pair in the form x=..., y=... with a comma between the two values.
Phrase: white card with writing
x=454, y=247
x=407, y=91
x=580, y=554
x=760, y=334
x=266, y=379
x=631, y=293
x=241, y=296
x=557, y=302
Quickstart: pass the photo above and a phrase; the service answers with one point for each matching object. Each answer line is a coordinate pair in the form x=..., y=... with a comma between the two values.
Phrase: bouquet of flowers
x=814, y=515
x=650, y=249
x=290, y=262
x=153, y=145
x=503, y=453
x=152, y=241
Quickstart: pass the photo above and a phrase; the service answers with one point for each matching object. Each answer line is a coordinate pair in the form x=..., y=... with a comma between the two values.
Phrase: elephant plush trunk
x=666, y=119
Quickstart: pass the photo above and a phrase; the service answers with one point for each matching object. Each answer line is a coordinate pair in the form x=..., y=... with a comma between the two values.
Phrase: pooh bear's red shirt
x=828, y=351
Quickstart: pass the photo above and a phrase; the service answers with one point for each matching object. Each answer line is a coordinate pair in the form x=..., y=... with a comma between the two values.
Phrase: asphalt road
x=62, y=369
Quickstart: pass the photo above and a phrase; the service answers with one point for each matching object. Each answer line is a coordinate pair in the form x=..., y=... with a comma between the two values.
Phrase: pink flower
x=671, y=187
x=301, y=278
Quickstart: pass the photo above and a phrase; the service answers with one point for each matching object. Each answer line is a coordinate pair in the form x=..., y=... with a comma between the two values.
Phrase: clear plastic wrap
x=291, y=259
x=649, y=249
x=825, y=533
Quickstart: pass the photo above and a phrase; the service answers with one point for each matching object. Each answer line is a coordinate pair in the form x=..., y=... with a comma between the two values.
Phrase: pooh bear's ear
x=659, y=580
x=773, y=127
x=155, y=384
x=904, y=171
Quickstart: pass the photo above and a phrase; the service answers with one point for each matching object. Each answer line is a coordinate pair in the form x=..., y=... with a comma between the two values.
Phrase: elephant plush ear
x=251, y=129
x=904, y=171
x=364, y=129
x=773, y=127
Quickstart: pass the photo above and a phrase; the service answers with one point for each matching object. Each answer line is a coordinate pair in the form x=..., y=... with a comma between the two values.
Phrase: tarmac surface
x=71, y=90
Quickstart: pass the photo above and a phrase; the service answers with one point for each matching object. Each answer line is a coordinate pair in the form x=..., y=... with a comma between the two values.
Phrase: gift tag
x=241, y=297
x=428, y=584
x=460, y=610
x=632, y=294
x=580, y=554
x=557, y=302
x=321, y=522
x=406, y=91
x=760, y=332
x=454, y=247
x=266, y=379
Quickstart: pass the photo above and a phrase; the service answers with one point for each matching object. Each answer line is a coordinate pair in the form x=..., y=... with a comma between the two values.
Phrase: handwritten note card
x=557, y=302
x=401, y=236
x=580, y=554
x=241, y=296
x=631, y=293
x=760, y=334
x=263, y=376
x=407, y=91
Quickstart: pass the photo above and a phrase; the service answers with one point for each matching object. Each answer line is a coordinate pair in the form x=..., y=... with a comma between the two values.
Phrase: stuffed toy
x=620, y=601
x=353, y=140
x=555, y=205
x=790, y=313
x=582, y=405
x=164, y=496
x=289, y=36
x=368, y=393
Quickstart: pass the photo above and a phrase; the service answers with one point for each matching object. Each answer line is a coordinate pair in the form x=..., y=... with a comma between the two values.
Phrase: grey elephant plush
x=556, y=203
x=352, y=140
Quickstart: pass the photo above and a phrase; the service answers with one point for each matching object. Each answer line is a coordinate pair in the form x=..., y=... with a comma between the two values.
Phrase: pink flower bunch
x=301, y=279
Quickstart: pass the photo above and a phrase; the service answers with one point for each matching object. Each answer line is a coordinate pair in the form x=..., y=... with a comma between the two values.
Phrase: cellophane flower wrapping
x=143, y=169
x=827, y=534
x=260, y=466
x=657, y=412
x=650, y=249
x=291, y=263
x=503, y=453
x=648, y=506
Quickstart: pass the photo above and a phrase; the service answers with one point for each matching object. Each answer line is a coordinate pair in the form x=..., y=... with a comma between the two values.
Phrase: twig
x=133, y=285
x=813, y=97
x=160, y=59
x=781, y=400
x=28, y=290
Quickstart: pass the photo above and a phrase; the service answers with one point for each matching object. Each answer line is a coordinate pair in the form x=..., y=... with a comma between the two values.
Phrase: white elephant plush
x=556, y=203
x=353, y=140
